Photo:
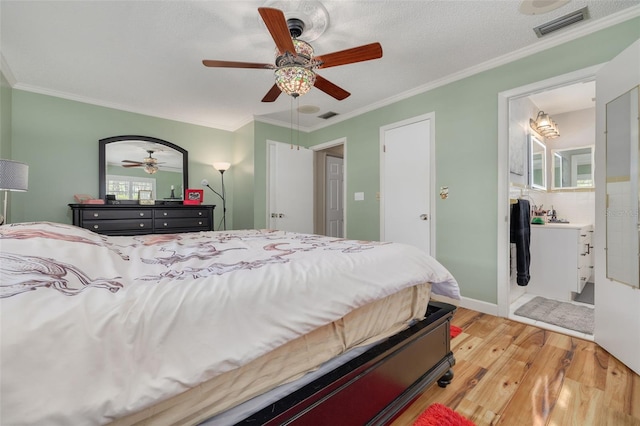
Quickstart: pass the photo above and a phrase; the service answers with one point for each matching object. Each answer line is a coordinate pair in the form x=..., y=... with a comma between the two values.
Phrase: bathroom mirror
x=537, y=166
x=128, y=164
x=622, y=146
x=572, y=168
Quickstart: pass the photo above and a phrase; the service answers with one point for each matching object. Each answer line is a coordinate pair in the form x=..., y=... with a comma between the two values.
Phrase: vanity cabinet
x=133, y=219
x=561, y=260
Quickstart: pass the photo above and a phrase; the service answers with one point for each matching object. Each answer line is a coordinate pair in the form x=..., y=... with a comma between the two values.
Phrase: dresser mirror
x=131, y=165
x=622, y=150
x=537, y=166
x=572, y=168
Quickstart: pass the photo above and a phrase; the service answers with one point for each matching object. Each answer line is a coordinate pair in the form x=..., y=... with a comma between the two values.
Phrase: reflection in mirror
x=623, y=142
x=573, y=168
x=130, y=164
x=537, y=167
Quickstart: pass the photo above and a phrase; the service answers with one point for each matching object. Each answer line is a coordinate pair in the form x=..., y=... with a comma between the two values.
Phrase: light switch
x=358, y=196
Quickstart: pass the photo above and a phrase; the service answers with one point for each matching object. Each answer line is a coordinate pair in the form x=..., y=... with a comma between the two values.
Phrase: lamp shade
x=221, y=166
x=14, y=176
x=295, y=80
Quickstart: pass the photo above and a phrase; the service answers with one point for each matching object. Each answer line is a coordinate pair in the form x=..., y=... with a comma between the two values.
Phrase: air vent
x=562, y=22
x=328, y=115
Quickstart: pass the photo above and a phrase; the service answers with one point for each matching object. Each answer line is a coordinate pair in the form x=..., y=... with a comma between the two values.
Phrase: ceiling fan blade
x=131, y=161
x=277, y=24
x=132, y=165
x=272, y=94
x=233, y=64
x=331, y=89
x=350, y=56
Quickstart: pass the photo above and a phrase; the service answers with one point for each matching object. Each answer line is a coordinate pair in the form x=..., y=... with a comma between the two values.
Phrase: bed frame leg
x=445, y=379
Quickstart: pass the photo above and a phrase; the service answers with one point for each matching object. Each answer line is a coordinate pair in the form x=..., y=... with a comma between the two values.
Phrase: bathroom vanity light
x=545, y=126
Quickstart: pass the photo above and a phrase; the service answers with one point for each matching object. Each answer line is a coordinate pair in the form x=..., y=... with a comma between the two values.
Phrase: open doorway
x=567, y=211
x=329, y=188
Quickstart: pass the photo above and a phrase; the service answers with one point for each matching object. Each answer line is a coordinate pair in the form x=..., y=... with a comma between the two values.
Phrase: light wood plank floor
x=513, y=374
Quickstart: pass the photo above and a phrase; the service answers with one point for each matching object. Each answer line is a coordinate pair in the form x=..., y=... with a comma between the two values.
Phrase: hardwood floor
x=509, y=373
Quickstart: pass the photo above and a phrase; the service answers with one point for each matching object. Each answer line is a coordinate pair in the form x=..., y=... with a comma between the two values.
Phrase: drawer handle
x=165, y=213
x=142, y=225
x=96, y=214
x=200, y=223
x=141, y=214
x=199, y=213
x=164, y=224
x=95, y=227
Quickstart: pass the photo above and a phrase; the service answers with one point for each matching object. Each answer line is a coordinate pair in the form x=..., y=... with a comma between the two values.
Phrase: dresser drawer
x=181, y=213
x=120, y=226
x=102, y=214
x=133, y=219
x=168, y=225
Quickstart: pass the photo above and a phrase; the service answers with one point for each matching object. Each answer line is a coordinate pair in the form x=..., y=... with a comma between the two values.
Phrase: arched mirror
x=130, y=164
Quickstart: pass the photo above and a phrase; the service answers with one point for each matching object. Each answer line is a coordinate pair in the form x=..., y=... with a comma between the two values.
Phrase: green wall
x=5, y=118
x=466, y=144
x=59, y=140
x=243, y=190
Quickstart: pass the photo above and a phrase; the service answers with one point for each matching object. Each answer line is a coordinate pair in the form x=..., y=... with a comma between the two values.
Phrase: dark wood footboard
x=375, y=387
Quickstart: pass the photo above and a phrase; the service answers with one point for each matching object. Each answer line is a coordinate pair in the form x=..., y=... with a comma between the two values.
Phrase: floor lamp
x=221, y=167
x=14, y=176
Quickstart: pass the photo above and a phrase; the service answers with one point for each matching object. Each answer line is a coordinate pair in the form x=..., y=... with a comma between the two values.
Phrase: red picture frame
x=193, y=196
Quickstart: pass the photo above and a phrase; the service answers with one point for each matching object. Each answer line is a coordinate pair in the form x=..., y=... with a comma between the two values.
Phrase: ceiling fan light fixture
x=151, y=168
x=295, y=80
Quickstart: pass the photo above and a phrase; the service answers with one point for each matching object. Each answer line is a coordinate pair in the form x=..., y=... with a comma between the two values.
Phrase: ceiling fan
x=295, y=63
x=150, y=163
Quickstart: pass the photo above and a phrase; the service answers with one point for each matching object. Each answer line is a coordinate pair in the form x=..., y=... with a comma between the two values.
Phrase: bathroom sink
x=557, y=221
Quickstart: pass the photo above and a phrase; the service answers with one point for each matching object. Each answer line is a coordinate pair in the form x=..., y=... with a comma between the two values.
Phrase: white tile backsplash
x=575, y=206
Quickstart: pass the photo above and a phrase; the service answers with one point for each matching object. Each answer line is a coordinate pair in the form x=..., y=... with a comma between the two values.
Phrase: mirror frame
x=555, y=152
x=533, y=139
x=102, y=161
x=622, y=140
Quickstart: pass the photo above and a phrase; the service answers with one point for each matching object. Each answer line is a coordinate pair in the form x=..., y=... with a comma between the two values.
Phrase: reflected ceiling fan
x=295, y=63
x=150, y=163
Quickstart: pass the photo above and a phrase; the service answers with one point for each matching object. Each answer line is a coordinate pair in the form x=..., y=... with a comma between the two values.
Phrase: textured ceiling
x=146, y=56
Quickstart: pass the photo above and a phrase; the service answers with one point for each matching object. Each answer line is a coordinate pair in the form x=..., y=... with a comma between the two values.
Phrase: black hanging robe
x=521, y=237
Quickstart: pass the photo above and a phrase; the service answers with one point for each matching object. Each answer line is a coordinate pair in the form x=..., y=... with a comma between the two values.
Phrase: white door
x=334, y=197
x=617, y=308
x=290, y=187
x=406, y=175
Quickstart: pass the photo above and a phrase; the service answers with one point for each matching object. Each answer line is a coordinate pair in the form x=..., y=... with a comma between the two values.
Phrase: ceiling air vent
x=562, y=22
x=328, y=115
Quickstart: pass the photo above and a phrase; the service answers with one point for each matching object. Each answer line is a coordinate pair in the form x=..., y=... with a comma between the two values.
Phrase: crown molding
x=552, y=41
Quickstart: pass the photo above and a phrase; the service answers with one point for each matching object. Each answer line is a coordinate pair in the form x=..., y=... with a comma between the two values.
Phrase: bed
x=185, y=328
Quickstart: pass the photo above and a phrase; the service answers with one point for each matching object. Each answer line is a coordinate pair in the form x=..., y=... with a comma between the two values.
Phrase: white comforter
x=95, y=328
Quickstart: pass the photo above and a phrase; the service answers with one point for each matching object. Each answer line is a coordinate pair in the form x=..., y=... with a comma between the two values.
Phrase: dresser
x=561, y=260
x=135, y=219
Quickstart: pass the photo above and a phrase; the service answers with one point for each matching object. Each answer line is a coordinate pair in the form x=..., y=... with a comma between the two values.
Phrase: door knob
x=424, y=217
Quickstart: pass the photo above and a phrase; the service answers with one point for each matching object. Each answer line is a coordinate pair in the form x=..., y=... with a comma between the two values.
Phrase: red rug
x=454, y=331
x=441, y=415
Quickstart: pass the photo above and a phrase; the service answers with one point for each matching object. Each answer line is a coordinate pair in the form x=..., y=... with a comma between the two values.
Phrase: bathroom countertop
x=570, y=225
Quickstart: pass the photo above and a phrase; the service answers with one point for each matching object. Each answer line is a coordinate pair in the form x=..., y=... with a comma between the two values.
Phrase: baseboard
x=479, y=305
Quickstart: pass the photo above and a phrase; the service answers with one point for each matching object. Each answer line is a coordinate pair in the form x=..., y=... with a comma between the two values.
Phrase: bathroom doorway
x=570, y=101
x=330, y=162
